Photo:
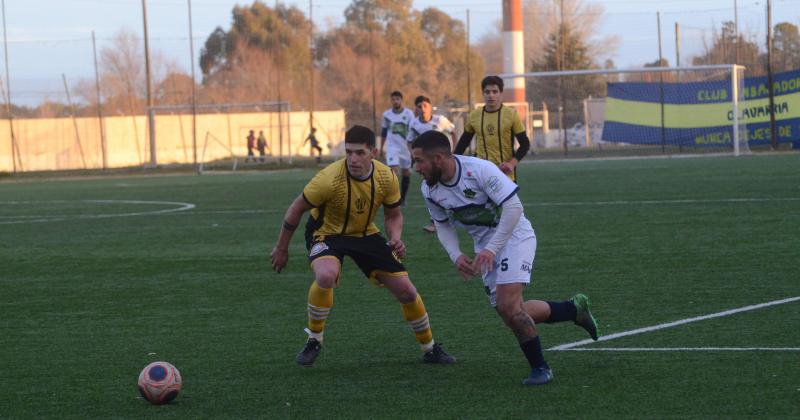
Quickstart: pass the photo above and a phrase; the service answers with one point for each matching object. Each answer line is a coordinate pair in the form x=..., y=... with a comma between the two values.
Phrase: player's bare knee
x=507, y=310
x=405, y=293
x=326, y=278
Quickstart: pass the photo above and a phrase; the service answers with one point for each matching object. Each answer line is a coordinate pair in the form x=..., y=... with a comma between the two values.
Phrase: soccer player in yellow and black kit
x=343, y=199
x=495, y=126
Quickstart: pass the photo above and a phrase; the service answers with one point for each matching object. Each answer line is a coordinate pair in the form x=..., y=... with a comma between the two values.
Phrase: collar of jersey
x=492, y=112
x=458, y=174
x=371, y=171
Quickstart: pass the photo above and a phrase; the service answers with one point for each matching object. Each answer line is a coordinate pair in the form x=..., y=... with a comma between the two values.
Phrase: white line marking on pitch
x=685, y=201
x=683, y=349
x=673, y=324
x=552, y=204
x=43, y=219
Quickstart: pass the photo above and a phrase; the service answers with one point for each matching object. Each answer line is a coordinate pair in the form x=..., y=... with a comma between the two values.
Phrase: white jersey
x=437, y=122
x=474, y=199
x=396, y=125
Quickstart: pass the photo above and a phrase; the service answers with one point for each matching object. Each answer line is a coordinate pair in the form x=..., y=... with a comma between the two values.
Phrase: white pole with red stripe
x=513, y=51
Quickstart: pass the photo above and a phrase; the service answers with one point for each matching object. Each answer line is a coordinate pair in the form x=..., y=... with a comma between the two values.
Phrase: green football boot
x=584, y=316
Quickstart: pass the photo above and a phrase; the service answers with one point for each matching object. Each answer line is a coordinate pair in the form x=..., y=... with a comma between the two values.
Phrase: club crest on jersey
x=361, y=203
x=469, y=193
x=317, y=248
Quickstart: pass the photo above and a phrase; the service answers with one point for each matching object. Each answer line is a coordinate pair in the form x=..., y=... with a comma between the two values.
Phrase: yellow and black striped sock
x=320, y=302
x=417, y=318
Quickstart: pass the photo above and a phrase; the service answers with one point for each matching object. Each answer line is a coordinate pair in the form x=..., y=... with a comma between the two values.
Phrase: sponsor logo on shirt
x=493, y=183
x=317, y=248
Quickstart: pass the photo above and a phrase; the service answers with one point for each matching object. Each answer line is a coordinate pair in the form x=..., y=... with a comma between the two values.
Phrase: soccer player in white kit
x=394, y=131
x=473, y=193
x=427, y=121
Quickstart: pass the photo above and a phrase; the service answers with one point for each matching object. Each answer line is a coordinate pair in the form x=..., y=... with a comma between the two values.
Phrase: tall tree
x=244, y=62
x=416, y=52
x=786, y=47
x=724, y=46
x=568, y=46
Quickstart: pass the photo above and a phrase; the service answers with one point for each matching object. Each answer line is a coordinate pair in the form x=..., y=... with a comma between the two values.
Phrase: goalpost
x=650, y=110
x=215, y=135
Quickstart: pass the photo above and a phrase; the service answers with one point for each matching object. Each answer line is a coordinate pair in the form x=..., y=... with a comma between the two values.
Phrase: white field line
x=43, y=219
x=639, y=349
x=188, y=206
x=580, y=343
x=554, y=204
x=647, y=202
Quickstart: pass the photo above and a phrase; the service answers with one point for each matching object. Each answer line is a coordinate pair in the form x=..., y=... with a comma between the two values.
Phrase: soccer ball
x=159, y=382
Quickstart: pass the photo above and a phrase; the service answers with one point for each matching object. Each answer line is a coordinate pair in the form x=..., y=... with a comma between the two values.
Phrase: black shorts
x=371, y=253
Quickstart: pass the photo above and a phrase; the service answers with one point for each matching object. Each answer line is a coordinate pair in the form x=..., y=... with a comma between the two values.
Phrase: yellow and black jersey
x=494, y=133
x=344, y=205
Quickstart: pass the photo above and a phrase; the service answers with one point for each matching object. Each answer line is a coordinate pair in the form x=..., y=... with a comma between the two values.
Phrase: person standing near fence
x=314, y=144
x=262, y=146
x=251, y=144
x=494, y=127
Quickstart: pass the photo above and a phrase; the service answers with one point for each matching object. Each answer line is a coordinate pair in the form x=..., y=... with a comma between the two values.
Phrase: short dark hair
x=492, y=80
x=419, y=99
x=359, y=134
x=432, y=141
x=396, y=93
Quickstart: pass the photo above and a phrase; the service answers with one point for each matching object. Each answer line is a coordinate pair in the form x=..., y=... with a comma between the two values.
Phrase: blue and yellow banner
x=701, y=113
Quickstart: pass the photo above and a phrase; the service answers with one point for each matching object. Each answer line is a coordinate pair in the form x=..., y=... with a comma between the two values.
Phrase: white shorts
x=513, y=264
x=396, y=156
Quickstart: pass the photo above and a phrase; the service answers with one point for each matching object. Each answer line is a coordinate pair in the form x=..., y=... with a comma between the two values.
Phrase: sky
x=48, y=38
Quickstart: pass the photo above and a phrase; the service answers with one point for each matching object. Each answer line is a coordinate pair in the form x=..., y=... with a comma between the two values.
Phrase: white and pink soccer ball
x=159, y=382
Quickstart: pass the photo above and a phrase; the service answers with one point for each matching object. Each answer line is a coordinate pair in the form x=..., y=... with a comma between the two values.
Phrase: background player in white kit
x=427, y=121
x=474, y=194
x=394, y=131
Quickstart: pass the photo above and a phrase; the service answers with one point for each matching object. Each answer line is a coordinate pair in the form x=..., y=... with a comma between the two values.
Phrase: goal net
x=643, y=111
x=216, y=136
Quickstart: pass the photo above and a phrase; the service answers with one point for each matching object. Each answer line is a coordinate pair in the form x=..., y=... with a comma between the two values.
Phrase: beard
x=434, y=177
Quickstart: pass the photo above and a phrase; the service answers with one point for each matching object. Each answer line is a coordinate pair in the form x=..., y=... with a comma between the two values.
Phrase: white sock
x=317, y=336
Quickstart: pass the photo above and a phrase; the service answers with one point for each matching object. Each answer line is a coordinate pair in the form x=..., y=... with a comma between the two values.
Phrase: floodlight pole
x=560, y=66
x=772, y=126
x=194, y=97
x=311, y=62
x=103, y=145
x=15, y=154
x=469, y=77
x=372, y=73
x=678, y=47
x=736, y=31
x=661, y=84
x=148, y=81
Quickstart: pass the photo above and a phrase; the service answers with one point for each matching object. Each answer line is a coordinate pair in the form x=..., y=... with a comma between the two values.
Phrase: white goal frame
x=281, y=108
x=732, y=68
